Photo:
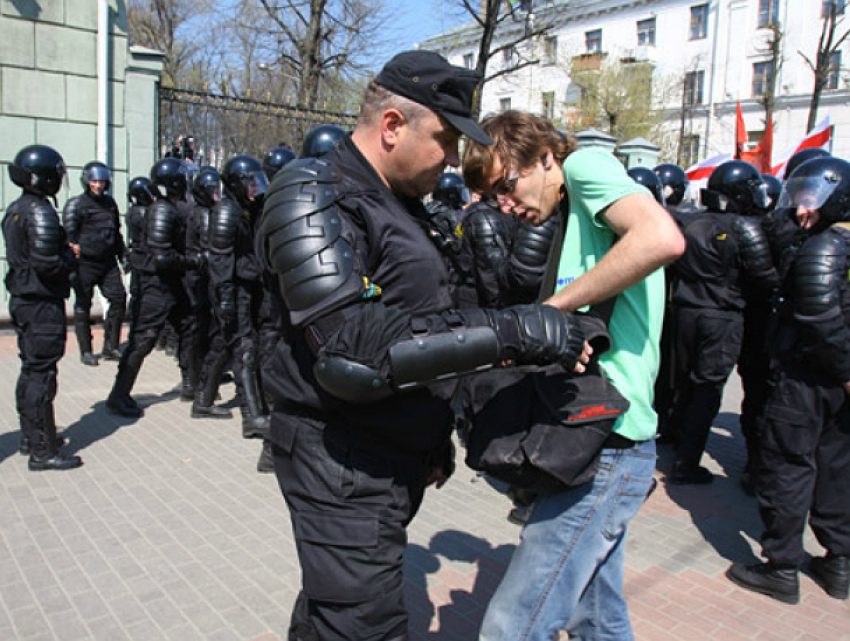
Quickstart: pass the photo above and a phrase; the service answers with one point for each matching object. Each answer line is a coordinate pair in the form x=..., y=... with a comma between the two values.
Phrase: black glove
x=538, y=335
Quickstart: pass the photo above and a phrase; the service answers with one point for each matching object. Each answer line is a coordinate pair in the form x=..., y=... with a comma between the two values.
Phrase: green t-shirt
x=594, y=180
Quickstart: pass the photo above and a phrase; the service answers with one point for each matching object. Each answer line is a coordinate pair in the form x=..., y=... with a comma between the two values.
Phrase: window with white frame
x=762, y=78
x=646, y=32
x=699, y=22
x=504, y=104
x=694, y=81
x=768, y=12
x=840, y=6
x=547, y=102
x=550, y=50
x=593, y=41
x=834, y=71
x=509, y=58
x=468, y=60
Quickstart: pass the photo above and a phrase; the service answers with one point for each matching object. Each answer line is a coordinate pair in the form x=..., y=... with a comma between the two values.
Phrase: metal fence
x=225, y=125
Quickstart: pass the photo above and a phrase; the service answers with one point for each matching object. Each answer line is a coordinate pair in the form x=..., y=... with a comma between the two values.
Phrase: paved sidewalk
x=168, y=532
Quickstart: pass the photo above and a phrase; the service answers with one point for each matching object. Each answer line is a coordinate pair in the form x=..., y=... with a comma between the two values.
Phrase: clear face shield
x=809, y=192
x=256, y=186
x=761, y=199
x=98, y=179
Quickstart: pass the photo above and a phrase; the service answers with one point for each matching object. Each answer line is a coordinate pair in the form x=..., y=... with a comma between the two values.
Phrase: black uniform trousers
x=106, y=275
x=41, y=329
x=708, y=342
x=804, y=465
x=350, y=502
x=754, y=369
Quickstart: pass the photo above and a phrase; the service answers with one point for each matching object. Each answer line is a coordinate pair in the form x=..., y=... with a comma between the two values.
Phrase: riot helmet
x=451, y=191
x=649, y=179
x=206, y=187
x=170, y=178
x=139, y=192
x=675, y=182
x=320, y=140
x=94, y=171
x=245, y=181
x=735, y=187
x=38, y=168
x=802, y=156
x=774, y=188
x=821, y=184
x=275, y=160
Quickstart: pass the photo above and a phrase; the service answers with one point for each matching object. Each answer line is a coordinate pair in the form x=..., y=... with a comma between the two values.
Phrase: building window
x=699, y=22
x=762, y=78
x=593, y=41
x=547, y=99
x=839, y=7
x=504, y=104
x=693, y=87
x=768, y=12
x=509, y=58
x=646, y=32
x=834, y=70
x=550, y=50
x=690, y=150
x=468, y=60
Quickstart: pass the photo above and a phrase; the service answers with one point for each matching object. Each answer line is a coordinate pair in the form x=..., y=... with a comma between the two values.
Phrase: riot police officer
x=276, y=159
x=804, y=449
x=140, y=196
x=674, y=181
x=708, y=304
x=163, y=294
x=649, y=179
x=236, y=294
x=40, y=262
x=320, y=140
x=92, y=224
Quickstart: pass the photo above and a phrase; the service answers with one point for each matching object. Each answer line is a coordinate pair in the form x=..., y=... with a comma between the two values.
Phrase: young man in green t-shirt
x=535, y=173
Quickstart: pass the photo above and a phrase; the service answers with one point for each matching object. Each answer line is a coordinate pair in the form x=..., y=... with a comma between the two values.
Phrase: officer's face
x=530, y=194
x=424, y=149
x=97, y=187
x=807, y=213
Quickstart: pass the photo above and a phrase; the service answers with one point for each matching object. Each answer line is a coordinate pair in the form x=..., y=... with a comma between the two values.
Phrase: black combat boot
x=119, y=401
x=44, y=446
x=255, y=421
x=207, y=391
x=112, y=334
x=780, y=582
x=265, y=464
x=832, y=573
x=82, y=327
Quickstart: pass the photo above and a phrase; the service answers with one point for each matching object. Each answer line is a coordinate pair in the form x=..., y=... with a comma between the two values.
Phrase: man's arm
x=648, y=239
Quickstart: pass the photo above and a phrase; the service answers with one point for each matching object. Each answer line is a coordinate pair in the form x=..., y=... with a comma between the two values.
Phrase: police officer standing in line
x=140, y=196
x=708, y=305
x=236, y=292
x=164, y=297
x=360, y=426
x=804, y=445
x=91, y=221
x=38, y=281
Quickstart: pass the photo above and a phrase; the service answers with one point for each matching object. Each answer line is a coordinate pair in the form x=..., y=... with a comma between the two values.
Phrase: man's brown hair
x=519, y=140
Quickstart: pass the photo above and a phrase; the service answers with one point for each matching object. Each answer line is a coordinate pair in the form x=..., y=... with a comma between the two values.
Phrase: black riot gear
x=275, y=159
x=170, y=178
x=675, y=182
x=735, y=187
x=774, y=188
x=802, y=156
x=649, y=179
x=451, y=191
x=206, y=187
x=139, y=192
x=93, y=171
x=822, y=184
x=38, y=168
x=245, y=180
x=320, y=140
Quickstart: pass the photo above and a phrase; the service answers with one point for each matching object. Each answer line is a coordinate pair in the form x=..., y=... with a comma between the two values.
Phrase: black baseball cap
x=428, y=78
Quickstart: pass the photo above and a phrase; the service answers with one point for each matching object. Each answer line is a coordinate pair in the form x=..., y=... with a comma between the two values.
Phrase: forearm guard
x=754, y=249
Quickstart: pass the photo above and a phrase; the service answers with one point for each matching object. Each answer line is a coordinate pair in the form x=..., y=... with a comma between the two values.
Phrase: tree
x=823, y=65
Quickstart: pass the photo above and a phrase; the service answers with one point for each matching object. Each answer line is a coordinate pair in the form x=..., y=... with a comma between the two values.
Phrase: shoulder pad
x=223, y=225
x=819, y=269
x=485, y=224
x=45, y=234
x=161, y=221
x=70, y=214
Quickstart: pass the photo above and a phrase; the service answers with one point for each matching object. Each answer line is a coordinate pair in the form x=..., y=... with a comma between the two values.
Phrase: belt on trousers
x=617, y=442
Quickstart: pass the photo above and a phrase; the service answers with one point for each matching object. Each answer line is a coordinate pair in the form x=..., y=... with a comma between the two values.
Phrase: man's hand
x=75, y=247
x=438, y=477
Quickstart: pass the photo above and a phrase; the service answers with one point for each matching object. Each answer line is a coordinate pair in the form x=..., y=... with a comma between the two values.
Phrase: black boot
x=112, y=333
x=207, y=390
x=685, y=473
x=82, y=327
x=255, y=422
x=832, y=573
x=187, y=389
x=44, y=451
x=780, y=582
x=119, y=401
x=26, y=444
x=265, y=464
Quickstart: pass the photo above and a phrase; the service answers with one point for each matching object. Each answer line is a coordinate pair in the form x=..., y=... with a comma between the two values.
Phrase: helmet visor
x=810, y=192
x=98, y=172
x=256, y=185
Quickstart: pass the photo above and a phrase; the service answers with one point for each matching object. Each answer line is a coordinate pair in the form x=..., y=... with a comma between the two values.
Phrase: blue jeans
x=567, y=572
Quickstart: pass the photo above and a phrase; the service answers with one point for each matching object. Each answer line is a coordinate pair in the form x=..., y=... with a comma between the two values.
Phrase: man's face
x=97, y=187
x=807, y=212
x=423, y=151
x=530, y=194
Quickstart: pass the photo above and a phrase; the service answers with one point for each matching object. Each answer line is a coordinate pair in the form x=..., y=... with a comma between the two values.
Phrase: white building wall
x=733, y=43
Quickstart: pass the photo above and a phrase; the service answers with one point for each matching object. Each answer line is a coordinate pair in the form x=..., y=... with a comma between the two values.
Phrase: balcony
x=590, y=61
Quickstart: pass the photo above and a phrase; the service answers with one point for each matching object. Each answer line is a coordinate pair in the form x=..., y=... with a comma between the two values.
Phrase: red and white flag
x=816, y=138
x=698, y=174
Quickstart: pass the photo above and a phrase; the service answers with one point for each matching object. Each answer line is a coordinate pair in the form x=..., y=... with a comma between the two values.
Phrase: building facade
x=704, y=56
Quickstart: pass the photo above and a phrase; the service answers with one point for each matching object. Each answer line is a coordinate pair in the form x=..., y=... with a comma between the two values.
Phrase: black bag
x=544, y=432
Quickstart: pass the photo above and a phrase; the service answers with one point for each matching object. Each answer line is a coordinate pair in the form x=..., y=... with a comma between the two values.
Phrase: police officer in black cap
x=163, y=294
x=708, y=303
x=363, y=378
x=40, y=262
x=804, y=447
x=92, y=223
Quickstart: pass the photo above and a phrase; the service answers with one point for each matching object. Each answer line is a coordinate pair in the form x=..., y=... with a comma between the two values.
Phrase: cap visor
x=468, y=127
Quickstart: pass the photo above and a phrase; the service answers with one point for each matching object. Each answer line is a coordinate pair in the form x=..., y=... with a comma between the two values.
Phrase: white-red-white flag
x=816, y=138
x=698, y=174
